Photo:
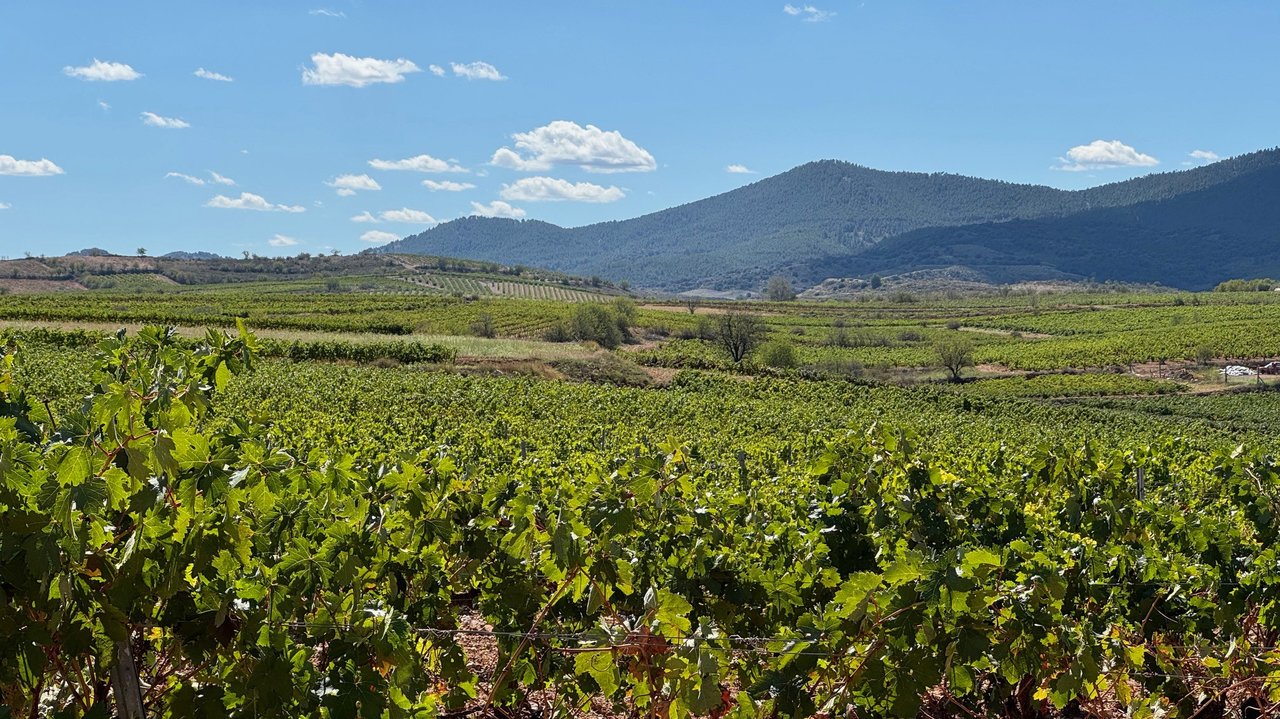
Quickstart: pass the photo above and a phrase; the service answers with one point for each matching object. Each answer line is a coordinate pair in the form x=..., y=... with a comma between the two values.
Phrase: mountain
x=834, y=219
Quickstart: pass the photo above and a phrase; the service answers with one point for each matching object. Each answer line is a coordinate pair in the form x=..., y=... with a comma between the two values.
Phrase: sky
x=286, y=127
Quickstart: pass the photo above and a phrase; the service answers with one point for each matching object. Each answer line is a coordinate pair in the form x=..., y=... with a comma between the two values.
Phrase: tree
x=738, y=334
x=876, y=282
x=779, y=289
x=483, y=326
x=142, y=252
x=954, y=354
x=691, y=303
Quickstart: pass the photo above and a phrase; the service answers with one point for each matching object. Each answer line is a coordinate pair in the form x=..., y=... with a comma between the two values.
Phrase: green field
x=370, y=509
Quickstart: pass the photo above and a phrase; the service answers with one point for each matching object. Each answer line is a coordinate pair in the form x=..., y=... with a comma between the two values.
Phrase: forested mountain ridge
x=830, y=216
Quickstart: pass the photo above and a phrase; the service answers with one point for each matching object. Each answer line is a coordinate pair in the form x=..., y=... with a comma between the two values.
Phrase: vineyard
x=373, y=525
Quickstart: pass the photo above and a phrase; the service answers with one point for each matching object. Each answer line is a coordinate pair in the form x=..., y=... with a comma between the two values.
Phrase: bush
x=604, y=368
x=559, y=331
x=597, y=324
x=779, y=355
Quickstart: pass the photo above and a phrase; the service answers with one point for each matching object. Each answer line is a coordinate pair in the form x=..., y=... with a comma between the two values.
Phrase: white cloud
x=182, y=176
x=340, y=69
x=101, y=71
x=497, y=208
x=324, y=12
x=282, y=241
x=221, y=180
x=551, y=189
x=736, y=169
x=5, y=206
x=9, y=165
x=1204, y=156
x=168, y=123
x=365, y=217
x=379, y=236
x=420, y=163
x=103, y=104
x=210, y=75
x=808, y=13
x=1103, y=154
x=413, y=217
x=567, y=143
x=447, y=186
x=250, y=201
x=436, y=70
x=476, y=71
x=347, y=185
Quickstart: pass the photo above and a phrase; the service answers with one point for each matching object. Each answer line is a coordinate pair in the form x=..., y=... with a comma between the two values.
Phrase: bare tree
x=954, y=354
x=739, y=334
x=691, y=303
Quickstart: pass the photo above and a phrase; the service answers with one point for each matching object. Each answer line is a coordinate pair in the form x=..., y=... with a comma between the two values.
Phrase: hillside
x=1191, y=241
x=826, y=216
x=95, y=269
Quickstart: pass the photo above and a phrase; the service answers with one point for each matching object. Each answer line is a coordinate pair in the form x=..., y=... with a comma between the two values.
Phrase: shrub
x=597, y=324
x=604, y=368
x=559, y=331
x=779, y=355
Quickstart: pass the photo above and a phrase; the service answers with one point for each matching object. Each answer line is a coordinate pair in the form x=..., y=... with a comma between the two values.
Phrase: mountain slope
x=1193, y=241
x=822, y=217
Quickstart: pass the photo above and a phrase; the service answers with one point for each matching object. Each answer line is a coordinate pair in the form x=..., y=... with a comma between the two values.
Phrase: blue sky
x=576, y=112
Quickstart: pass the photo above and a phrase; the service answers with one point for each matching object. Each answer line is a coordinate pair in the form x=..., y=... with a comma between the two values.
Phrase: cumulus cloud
x=5, y=206
x=808, y=13
x=282, y=241
x=406, y=215
x=250, y=201
x=188, y=178
x=100, y=71
x=104, y=105
x=737, y=169
x=1103, y=154
x=221, y=180
x=211, y=75
x=1202, y=156
x=10, y=165
x=447, y=186
x=551, y=189
x=379, y=236
x=325, y=12
x=497, y=208
x=168, y=123
x=347, y=185
x=562, y=142
x=340, y=69
x=420, y=163
x=476, y=71
x=365, y=216
x=436, y=70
